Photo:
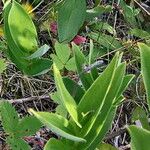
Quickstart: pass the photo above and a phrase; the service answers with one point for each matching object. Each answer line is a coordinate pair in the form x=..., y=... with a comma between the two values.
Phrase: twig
x=33, y=98
x=143, y=7
x=117, y=133
x=126, y=147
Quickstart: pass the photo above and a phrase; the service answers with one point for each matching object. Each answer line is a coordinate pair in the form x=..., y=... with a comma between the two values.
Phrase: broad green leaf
x=97, y=11
x=63, y=52
x=55, y=97
x=3, y=65
x=67, y=100
x=140, y=33
x=28, y=126
x=126, y=81
x=60, y=109
x=14, y=52
x=139, y=138
x=9, y=117
x=94, y=72
x=71, y=17
x=145, y=67
x=57, y=61
x=100, y=116
x=94, y=96
x=74, y=89
x=71, y=65
x=86, y=78
x=57, y=124
x=40, y=52
x=103, y=26
x=106, y=40
x=106, y=126
x=25, y=36
x=17, y=144
x=97, y=94
x=38, y=67
x=107, y=113
x=140, y=115
x=54, y=144
x=104, y=130
x=129, y=14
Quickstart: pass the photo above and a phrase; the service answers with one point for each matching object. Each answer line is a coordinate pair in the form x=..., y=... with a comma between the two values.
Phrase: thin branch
x=28, y=99
x=126, y=147
x=117, y=133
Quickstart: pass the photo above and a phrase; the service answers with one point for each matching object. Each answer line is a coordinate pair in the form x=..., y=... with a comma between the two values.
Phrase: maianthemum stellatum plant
x=89, y=117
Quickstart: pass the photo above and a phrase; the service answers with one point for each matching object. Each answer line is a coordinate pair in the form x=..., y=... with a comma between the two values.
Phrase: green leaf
x=140, y=115
x=106, y=40
x=71, y=65
x=71, y=17
x=97, y=11
x=57, y=61
x=28, y=126
x=145, y=67
x=13, y=52
x=40, y=52
x=127, y=79
x=9, y=117
x=129, y=14
x=103, y=110
x=140, y=33
x=103, y=26
x=55, y=97
x=74, y=89
x=65, y=97
x=86, y=78
x=57, y=124
x=97, y=93
x=60, y=109
x=54, y=144
x=94, y=72
x=94, y=96
x=90, y=59
x=16, y=52
x=63, y=52
x=17, y=144
x=3, y=65
x=25, y=36
x=104, y=129
x=38, y=67
x=139, y=138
